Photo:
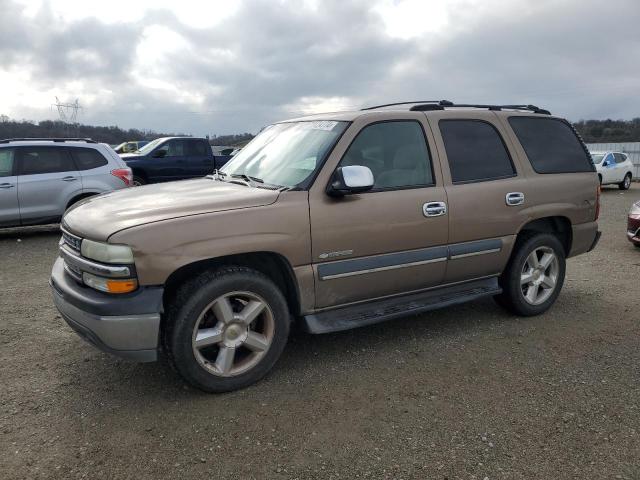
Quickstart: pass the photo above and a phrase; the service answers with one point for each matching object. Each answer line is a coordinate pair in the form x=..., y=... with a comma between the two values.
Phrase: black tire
x=191, y=300
x=138, y=181
x=512, y=297
x=625, y=184
x=600, y=179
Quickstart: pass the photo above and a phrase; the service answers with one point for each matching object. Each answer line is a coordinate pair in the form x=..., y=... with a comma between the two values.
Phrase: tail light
x=597, y=202
x=124, y=174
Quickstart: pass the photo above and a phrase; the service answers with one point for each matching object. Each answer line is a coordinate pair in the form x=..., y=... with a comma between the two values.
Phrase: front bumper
x=127, y=326
x=633, y=229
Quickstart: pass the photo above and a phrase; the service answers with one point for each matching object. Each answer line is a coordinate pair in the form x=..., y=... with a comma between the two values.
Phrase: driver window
x=608, y=160
x=396, y=153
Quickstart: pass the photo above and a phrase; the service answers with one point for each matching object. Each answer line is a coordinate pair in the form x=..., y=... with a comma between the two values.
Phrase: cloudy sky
x=233, y=66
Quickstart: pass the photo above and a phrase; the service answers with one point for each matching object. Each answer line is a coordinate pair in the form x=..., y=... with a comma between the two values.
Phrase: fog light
x=110, y=285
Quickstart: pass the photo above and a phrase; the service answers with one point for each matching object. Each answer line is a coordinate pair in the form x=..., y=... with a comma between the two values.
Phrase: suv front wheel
x=226, y=329
x=534, y=277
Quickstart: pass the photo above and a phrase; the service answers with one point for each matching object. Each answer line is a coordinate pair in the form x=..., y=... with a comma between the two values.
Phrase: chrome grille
x=71, y=241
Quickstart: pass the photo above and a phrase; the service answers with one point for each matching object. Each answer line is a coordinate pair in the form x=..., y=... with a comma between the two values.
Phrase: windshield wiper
x=248, y=178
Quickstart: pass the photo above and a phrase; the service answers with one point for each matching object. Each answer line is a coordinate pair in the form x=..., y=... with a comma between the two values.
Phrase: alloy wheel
x=539, y=275
x=233, y=333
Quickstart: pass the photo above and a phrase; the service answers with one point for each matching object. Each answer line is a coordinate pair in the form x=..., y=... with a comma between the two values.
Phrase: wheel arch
x=558, y=225
x=139, y=172
x=80, y=196
x=273, y=265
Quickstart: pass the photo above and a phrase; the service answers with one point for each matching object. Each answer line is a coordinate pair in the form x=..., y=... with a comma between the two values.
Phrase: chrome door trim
x=411, y=258
x=389, y=261
x=473, y=254
x=477, y=247
x=382, y=269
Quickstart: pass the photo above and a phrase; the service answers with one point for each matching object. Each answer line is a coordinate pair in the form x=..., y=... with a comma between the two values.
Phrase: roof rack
x=401, y=103
x=431, y=105
x=8, y=140
x=441, y=105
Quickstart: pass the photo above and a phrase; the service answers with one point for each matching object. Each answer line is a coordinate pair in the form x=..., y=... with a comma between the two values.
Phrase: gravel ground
x=467, y=392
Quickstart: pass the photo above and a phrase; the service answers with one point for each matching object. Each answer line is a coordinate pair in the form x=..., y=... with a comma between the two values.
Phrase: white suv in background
x=613, y=167
x=41, y=178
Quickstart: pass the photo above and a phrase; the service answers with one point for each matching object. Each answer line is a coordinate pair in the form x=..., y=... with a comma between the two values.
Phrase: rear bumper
x=595, y=241
x=585, y=237
x=127, y=326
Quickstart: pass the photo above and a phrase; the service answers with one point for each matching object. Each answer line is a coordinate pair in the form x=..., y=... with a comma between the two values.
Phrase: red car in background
x=633, y=224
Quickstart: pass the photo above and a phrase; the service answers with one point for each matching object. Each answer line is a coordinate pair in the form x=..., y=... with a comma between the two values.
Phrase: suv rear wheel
x=138, y=181
x=226, y=329
x=534, y=277
x=626, y=183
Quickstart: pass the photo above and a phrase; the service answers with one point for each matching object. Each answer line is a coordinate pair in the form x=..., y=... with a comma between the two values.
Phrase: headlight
x=635, y=209
x=105, y=252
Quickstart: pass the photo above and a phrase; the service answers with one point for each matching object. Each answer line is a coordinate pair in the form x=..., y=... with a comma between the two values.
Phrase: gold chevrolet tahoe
x=332, y=221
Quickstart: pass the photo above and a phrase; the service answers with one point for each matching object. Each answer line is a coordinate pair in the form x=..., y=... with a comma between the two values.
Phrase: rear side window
x=620, y=157
x=173, y=148
x=34, y=160
x=551, y=145
x=197, y=148
x=475, y=151
x=6, y=162
x=88, y=158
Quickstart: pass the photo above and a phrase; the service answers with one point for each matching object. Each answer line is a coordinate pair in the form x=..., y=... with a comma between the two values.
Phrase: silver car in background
x=41, y=178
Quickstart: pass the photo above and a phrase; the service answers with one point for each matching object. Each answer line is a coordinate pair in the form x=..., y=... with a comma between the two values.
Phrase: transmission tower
x=68, y=112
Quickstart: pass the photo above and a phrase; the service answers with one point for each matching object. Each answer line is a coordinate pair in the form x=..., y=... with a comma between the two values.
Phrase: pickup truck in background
x=173, y=158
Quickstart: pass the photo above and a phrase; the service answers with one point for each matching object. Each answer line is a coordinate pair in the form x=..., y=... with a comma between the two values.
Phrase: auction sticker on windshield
x=319, y=125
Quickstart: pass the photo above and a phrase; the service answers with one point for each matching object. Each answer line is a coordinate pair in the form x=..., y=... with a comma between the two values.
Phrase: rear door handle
x=69, y=179
x=6, y=185
x=514, y=198
x=434, y=209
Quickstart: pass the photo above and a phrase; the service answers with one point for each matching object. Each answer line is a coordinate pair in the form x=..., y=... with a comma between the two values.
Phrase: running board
x=368, y=313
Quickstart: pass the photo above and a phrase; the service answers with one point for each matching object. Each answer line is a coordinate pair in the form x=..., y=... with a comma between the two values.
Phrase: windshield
x=286, y=154
x=597, y=157
x=149, y=146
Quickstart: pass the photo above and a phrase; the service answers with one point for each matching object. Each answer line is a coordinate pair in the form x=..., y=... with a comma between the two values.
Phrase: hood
x=101, y=216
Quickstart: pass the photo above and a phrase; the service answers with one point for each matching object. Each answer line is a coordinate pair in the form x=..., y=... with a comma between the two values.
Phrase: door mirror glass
x=351, y=179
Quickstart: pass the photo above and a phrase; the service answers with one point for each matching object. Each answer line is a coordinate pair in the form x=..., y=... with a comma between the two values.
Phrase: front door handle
x=6, y=185
x=514, y=198
x=434, y=209
x=69, y=179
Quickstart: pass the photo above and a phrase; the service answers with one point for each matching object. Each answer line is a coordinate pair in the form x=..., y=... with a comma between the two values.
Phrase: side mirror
x=349, y=180
x=159, y=154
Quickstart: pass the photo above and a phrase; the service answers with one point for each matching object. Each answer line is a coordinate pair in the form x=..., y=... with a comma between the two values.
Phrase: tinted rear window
x=88, y=158
x=475, y=151
x=36, y=160
x=551, y=145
